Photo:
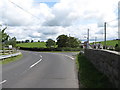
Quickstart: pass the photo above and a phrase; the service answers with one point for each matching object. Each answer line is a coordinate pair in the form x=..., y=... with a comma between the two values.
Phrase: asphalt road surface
x=41, y=70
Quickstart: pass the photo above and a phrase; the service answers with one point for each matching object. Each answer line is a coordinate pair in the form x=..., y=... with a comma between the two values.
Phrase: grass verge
x=8, y=60
x=89, y=76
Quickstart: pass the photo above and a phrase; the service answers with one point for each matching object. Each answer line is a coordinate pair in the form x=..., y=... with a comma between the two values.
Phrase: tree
x=5, y=36
x=73, y=42
x=11, y=41
x=62, y=41
x=5, y=39
x=65, y=41
x=27, y=41
x=32, y=41
x=38, y=40
x=50, y=43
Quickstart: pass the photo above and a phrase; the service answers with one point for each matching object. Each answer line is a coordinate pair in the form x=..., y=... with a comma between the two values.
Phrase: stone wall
x=107, y=62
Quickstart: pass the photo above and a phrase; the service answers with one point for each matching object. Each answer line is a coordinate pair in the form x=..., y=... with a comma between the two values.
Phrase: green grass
x=33, y=45
x=110, y=42
x=12, y=59
x=89, y=76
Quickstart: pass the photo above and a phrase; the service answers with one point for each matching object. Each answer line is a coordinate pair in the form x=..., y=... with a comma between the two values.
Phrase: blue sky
x=50, y=3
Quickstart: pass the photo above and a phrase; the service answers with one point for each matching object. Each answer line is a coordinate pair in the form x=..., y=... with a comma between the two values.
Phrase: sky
x=44, y=19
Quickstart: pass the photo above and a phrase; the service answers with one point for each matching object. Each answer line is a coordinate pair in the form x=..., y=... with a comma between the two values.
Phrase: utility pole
x=69, y=35
x=88, y=36
x=105, y=34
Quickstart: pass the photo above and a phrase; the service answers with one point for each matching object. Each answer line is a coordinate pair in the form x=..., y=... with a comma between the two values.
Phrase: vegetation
x=11, y=41
x=50, y=43
x=65, y=41
x=109, y=42
x=32, y=45
x=6, y=39
x=5, y=36
x=89, y=76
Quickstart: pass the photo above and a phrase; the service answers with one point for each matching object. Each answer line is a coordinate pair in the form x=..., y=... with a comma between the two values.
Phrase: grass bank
x=89, y=76
x=11, y=59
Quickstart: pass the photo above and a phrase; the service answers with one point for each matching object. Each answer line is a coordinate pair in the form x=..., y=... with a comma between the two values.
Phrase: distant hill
x=33, y=45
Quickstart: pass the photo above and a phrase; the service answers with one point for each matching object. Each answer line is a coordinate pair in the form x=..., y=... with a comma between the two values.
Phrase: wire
x=113, y=20
x=24, y=9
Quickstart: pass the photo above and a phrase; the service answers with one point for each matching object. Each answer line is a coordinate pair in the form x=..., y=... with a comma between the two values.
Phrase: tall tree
x=62, y=40
x=50, y=43
x=27, y=41
x=65, y=41
x=32, y=41
x=73, y=42
x=5, y=36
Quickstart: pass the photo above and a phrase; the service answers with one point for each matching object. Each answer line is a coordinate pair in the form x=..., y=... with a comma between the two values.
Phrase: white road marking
x=69, y=57
x=35, y=63
x=40, y=56
x=3, y=82
x=65, y=55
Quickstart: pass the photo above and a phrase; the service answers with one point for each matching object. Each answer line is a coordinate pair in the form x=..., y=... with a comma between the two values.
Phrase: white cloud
x=72, y=17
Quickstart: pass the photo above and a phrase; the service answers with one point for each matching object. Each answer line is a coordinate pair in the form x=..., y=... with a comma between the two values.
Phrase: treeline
x=63, y=41
x=27, y=41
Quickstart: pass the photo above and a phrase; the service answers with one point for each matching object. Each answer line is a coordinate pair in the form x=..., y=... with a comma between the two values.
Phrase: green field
x=109, y=42
x=33, y=45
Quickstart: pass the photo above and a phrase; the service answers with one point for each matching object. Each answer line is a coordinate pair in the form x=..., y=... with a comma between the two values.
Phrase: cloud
x=72, y=17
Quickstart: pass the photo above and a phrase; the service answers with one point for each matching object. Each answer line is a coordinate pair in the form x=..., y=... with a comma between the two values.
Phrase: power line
x=23, y=9
x=113, y=20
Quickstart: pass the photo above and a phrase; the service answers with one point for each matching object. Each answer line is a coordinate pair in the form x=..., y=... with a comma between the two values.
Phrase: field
x=33, y=45
x=110, y=42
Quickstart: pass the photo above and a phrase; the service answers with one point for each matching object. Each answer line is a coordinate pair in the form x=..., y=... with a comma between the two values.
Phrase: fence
x=8, y=56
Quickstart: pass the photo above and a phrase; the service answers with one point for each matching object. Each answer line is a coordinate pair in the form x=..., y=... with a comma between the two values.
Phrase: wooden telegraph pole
x=88, y=36
x=105, y=34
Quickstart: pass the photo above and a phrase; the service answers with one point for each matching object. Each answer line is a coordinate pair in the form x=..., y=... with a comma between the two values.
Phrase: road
x=41, y=70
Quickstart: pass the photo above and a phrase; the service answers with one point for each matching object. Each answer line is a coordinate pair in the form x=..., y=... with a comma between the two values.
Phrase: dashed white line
x=35, y=63
x=40, y=56
x=3, y=82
